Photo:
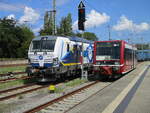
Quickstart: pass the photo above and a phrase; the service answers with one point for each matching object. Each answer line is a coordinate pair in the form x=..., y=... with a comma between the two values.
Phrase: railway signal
x=81, y=16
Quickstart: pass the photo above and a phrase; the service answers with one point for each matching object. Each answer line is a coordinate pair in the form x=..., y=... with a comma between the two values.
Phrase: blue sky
x=127, y=18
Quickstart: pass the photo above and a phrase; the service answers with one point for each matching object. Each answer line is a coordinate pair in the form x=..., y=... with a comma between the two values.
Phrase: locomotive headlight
x=29, y=60
x=55, y=61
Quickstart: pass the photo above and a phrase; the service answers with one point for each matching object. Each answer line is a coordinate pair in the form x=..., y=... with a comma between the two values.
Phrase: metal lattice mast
x=54, y=17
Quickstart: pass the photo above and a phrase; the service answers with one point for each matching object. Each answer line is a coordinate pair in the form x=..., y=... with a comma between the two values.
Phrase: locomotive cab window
x=48, y=45
x=43, y=45
x=36, y=45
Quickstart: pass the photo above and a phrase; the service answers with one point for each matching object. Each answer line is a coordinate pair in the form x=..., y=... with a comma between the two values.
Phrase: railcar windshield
x=43, y=45
x=108, y=50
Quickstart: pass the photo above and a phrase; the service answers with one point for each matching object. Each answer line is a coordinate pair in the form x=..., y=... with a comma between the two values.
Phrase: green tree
x=48, y=24
x=47, y=31
x=26, y=35
x=13, y=39
x=7, y=44
x=88, y=36
x=65, y=28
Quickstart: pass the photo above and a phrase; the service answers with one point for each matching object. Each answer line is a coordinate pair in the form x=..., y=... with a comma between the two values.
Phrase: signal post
x=81, y=26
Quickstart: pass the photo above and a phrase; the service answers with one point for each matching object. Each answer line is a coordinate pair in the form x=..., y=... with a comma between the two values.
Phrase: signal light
x=81, y=16
x=81, y=19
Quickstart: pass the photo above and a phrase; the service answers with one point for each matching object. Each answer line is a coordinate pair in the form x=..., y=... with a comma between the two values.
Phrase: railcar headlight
x=115, y=68
x=98, y=63
x=117, y=63
x=96, y=68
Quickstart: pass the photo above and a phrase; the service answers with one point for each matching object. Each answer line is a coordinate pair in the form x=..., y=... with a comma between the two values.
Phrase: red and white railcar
x=113, y=58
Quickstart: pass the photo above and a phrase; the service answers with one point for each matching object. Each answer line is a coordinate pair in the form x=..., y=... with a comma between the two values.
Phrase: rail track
x=12, y=65
x=11, y=79
x=14, y=92
x=11, y=76
x=11, y=73
x=70, y=100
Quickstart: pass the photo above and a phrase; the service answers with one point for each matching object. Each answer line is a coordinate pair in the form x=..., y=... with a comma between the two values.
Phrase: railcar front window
x=108, y=50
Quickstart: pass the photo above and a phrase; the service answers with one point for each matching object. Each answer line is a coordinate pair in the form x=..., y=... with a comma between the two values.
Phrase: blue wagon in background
x=143, y=55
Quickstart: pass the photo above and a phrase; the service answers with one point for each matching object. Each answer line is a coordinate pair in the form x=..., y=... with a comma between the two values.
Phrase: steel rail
x=10, y=79
x=16, y=88
x=12, y=73
x=24, y=92
x=12, y=65
x=59, y=98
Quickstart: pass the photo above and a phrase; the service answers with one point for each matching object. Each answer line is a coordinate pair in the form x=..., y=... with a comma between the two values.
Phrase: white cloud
x=10, y=7
x=75, y=25
x=125, y=24
x=61, y=2
x=11, y=16
x=93, y=19
x=142, y=27
x=96, y=19
x=30, y=15
x=36, y=30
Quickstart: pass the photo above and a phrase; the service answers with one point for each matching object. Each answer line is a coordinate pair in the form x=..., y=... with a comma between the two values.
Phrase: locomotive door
x=76, y=55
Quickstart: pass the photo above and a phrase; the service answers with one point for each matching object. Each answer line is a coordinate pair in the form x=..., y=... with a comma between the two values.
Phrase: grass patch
x=59, y=89
x=11, y=59
x=72, y=83
x=15, y=83
x=6, y=108
x=75, y=82
x=4, y=70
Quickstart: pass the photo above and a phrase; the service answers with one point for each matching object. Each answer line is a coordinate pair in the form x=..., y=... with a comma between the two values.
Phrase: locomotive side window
x=75, y=47
x=68, y=48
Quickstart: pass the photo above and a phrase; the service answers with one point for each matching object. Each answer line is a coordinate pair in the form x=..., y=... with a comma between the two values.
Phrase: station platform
x=140, y=102
x=129, y=94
